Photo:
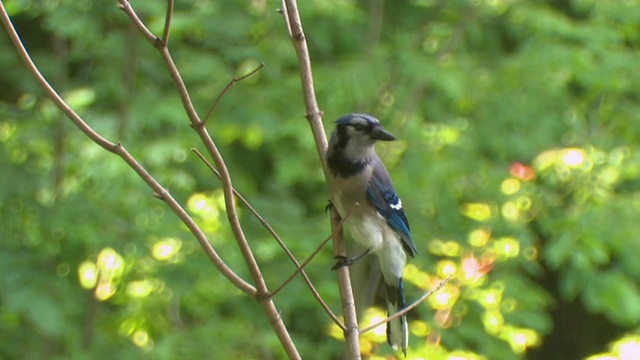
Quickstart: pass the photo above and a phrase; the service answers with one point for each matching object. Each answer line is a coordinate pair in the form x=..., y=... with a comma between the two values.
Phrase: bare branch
x=126, y=7
x=317, y=250
x=125, y=155
x=314, y=117
x=167, y=23
x=299, y=268
x=408, y=308
x=228, y=87
x=352, y=332
x=50, y=91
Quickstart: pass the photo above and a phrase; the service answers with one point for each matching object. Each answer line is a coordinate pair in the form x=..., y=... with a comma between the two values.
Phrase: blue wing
x=383, y=196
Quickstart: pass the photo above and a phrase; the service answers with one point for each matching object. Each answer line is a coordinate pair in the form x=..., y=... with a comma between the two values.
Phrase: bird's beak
x=378, y=133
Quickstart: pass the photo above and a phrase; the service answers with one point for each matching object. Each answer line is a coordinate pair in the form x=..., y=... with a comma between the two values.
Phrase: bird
x=356, y=174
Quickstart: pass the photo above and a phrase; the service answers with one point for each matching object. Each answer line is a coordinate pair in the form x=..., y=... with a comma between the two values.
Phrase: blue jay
x=356, y=174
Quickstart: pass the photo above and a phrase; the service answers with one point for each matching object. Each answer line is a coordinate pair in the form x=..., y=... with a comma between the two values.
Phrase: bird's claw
x=342, y=261
x=347, y=261
x=329, y=206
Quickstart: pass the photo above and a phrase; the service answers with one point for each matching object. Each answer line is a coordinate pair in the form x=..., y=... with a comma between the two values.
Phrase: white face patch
x=397, y=206
x=359, y=144
x=351, y=131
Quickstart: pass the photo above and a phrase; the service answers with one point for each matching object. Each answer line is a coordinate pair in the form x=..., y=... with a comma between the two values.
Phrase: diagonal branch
x=198, y=125
x=299, y=267
x=408, y=308
x=228, y=87
x=119, y=149
x=317, y=250
x=167, y=23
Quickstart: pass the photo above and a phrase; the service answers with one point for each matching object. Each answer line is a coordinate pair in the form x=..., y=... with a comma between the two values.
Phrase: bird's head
x=362, y=129
x=355, y=136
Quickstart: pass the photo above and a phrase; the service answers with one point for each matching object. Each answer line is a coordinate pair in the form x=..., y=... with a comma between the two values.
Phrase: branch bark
x=314, y=117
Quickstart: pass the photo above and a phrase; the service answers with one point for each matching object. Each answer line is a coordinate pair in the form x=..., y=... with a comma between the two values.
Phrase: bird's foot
x=343, y=261
x=329, y=206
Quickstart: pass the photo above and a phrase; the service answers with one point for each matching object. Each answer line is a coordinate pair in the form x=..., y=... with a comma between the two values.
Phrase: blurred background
x=518, y=161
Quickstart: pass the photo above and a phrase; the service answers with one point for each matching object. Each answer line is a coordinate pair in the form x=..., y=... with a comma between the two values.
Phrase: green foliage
x=517, y=162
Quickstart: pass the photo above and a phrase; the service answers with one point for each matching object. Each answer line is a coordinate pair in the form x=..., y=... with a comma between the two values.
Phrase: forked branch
x=274, y=234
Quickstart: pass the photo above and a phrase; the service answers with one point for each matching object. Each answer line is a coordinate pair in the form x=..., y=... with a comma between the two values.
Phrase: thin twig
x=408, y=308
x=167, y=23
x=228, y=87
x=337, y=229
x=125, y=6
x=313, y=115
x=299, y=267
x=317, y=250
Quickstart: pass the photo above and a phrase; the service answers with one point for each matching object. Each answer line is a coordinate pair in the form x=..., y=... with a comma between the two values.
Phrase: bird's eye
x=359, y=127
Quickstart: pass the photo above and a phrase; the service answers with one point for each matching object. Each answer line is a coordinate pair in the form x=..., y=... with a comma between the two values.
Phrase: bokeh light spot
x=628, y=348
x=522, y=172
x=387, y=99
x=477, y=211
x=445, y=298
x=510, y=211
x=473, y=270
x=573, y=157
x=109, y=261
x=490, y=298
x=88, y=274
x=507, y=247
x=510, y=186
x=165, y=249
x=372, y=316
x=451, y=248
x=105, y=290
x=492, y=321
x=206, y=206
x=479, y=237
x=419, y=328
x=141, y=339
x=139, y=289
x=446, y=268
x=520, y=339
x=524, y=203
